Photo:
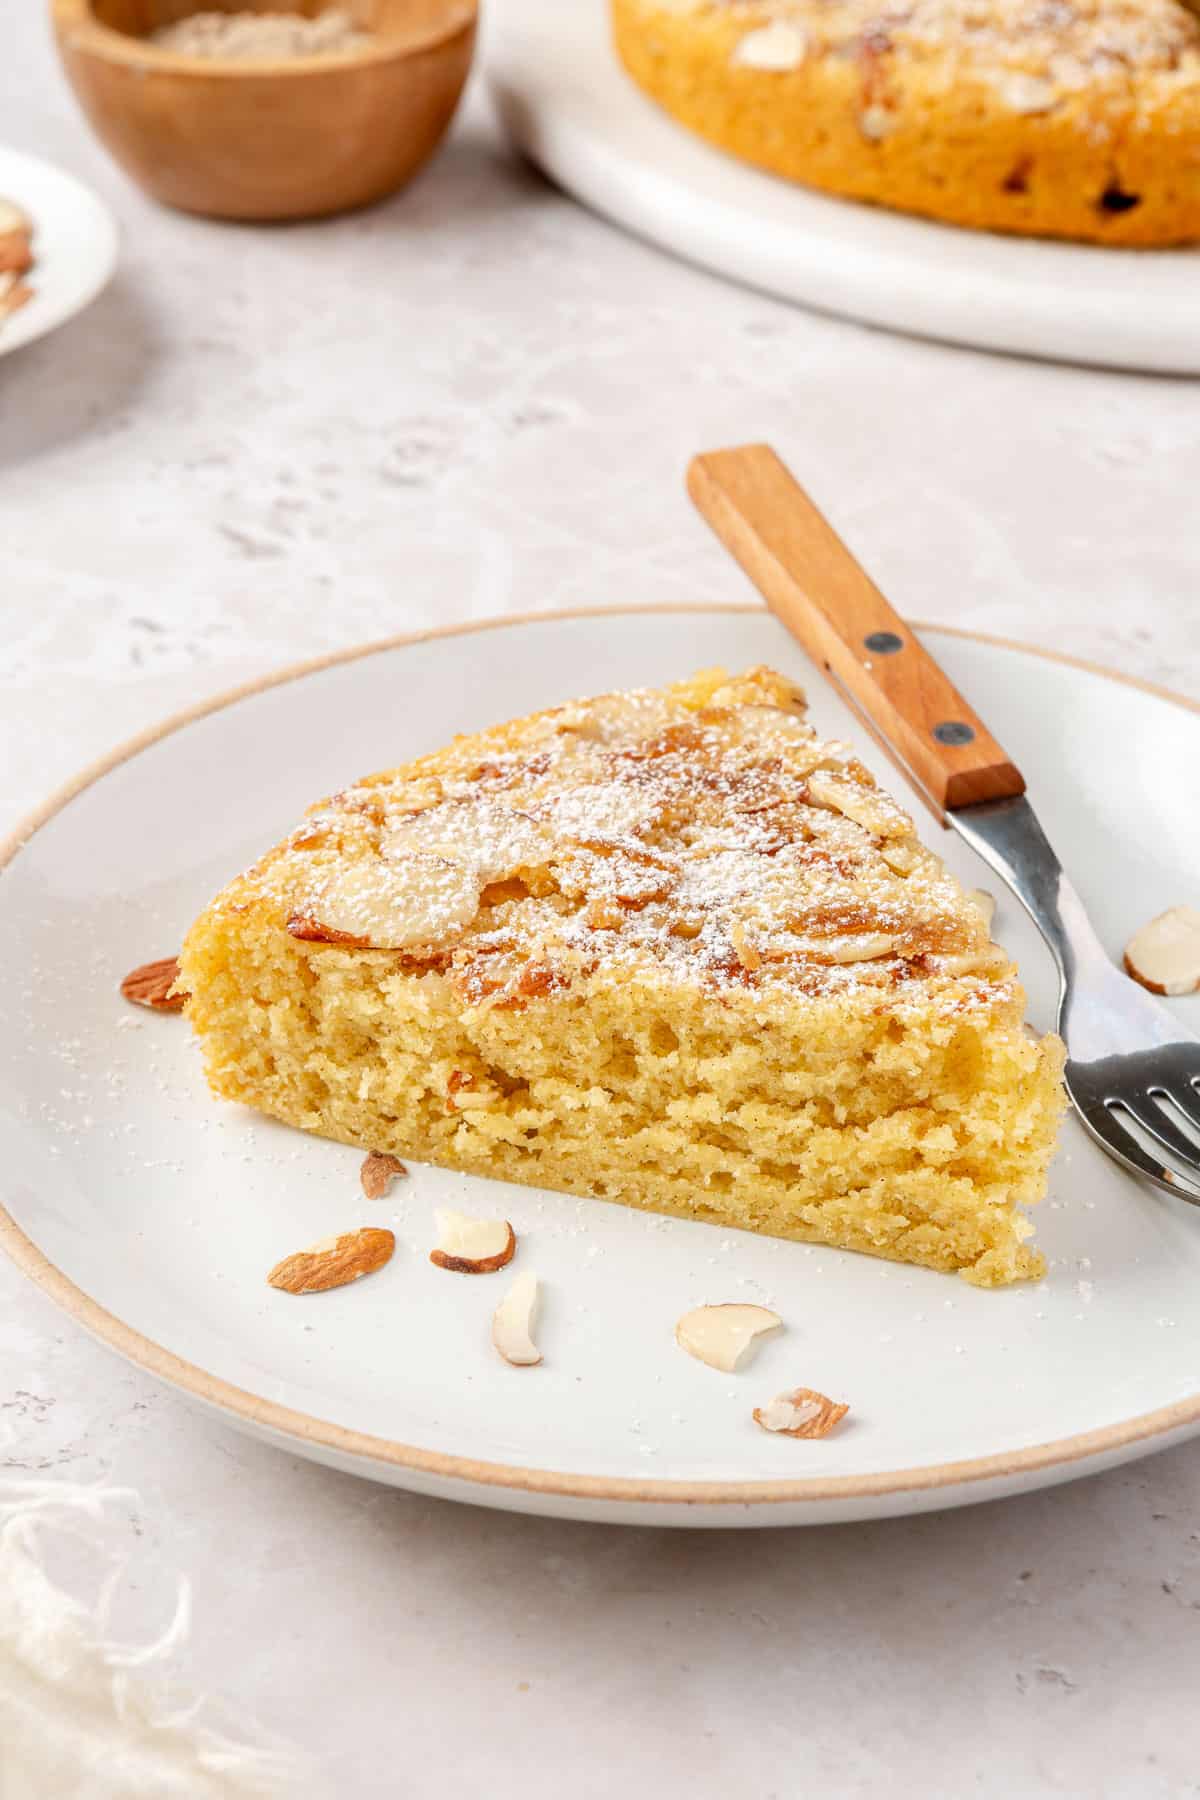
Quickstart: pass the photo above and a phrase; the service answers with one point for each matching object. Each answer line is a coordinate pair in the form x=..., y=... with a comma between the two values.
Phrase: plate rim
x=30, y=325
x=256, y=1411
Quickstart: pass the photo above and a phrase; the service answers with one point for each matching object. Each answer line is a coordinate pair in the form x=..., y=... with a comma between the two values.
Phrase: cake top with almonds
x=1069, y=42
x=701, y=832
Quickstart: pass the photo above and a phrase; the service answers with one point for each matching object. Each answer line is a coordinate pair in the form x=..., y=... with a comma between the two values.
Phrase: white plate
x=152, y=1213
x=569, y=105
x=75, y=244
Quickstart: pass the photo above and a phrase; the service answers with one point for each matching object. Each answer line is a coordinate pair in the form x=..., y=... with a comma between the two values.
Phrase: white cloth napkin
x=83, y=1718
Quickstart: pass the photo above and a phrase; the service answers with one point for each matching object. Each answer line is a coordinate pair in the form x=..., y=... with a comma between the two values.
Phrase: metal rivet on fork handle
x=884, y=643
x=953, y=731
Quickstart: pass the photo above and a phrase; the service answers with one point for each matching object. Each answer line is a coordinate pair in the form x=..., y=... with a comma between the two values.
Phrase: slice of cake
x=666, y=948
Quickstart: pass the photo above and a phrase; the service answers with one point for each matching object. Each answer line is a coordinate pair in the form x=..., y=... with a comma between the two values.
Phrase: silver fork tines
x=1131, y=1073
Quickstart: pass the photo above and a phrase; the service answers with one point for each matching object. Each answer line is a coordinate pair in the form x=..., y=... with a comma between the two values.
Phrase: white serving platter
x=570, y=107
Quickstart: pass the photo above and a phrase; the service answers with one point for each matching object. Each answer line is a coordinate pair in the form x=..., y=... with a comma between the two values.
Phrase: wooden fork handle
x=810, y=580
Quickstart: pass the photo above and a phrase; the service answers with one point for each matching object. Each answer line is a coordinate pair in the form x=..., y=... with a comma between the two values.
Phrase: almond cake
x=1057, y=118
x=666, y=948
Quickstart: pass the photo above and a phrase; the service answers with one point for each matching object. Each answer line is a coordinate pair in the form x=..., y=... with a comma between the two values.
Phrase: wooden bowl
x=268, y=140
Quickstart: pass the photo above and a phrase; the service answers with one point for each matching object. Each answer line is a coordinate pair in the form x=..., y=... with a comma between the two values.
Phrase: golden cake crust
x=1057, y=118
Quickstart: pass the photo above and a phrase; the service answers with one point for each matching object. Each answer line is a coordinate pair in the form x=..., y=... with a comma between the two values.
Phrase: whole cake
x=662, y=947
x=1057, y=118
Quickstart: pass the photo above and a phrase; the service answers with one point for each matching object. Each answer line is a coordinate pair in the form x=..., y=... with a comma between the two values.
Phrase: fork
x=1133, y=1076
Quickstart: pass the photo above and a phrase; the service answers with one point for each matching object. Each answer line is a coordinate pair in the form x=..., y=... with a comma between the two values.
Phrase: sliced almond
x=463, y=1092
x=491, y=839
x=744, y=949
x=877, y=122
x=776, y=48
x=385, y=905
x=871, y=808
x=985, y=902
x=1030, y=94
x=378, y=1172
x=761, y=686
x=305, y=925
x=16, y=253
x=512, y=1322
x=990, y=960
x=153, y=985
x=853, y=947
x=14, y=294
x=864, y=946
x=801, y=1414
x=1165, y=954
x=603, y=914
x=601, y=813
x=16, y=234
x=472, y=1246
x=723, y=1336
x=901, y=856
x=13, y=217
x=334, y=1261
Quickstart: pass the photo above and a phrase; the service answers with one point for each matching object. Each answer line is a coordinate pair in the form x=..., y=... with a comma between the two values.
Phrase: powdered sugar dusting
x=703, y=831
x=1070, y=43
x=494, y=839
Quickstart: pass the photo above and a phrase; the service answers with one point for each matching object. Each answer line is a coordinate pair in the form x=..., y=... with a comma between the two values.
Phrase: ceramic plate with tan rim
x=74, y=245
x=152, y=1213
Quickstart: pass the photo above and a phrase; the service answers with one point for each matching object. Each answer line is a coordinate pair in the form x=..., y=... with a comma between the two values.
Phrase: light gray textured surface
x=259, y=445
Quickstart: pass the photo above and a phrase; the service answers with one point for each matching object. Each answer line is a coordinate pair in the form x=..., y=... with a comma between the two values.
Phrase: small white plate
x=74, y=243
x=568, y=104
x=152, y=1213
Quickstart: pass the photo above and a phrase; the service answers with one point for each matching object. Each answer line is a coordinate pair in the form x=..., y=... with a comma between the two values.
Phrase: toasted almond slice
x=16, y=233
x=492, y=839
x=472, y=1246
x=902, y=855
x=871, y=808
x=153, y=985
x=979, y=962
x=16, y=252
x=801, y=1414
x=723, y=1336
x=1165, y=954
x=386, y=905
x=334, y=1261
x=776, y=48
x=862, y=946
x=306, y=925
x=745, y=951
x=378, y=1172
x=985, y=902
x=512, y=1322
x=464, y=1091
x=13, y=217
x=760, y=686
x=13, y=294
x=603, y=914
